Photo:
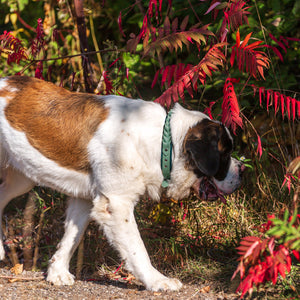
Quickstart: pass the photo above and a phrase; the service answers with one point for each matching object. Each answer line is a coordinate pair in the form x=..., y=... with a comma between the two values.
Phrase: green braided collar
x=166, y=151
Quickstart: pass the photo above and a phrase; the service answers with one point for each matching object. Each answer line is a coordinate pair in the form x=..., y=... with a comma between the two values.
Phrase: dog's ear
x=203, y=145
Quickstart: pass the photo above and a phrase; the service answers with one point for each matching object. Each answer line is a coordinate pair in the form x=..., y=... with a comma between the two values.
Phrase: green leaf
x=294, y=218
x=286, y=216
x=275, y=231
x=296, y=245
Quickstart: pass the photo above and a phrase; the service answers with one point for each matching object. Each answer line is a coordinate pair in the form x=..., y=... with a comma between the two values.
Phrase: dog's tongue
x=207, y=190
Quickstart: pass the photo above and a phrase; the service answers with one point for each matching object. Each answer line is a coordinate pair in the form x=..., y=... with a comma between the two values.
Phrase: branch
x=81, y=28
x=12, y=277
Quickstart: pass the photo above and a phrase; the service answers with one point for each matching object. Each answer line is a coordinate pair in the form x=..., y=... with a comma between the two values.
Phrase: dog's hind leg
x=13, y=184
x=77, y=219
x=117, y=218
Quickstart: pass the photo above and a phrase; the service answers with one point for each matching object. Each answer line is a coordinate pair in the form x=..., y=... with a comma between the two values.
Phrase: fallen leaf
x=293, y=288
x=17, y=269
x=129, y=277
x=205, y=289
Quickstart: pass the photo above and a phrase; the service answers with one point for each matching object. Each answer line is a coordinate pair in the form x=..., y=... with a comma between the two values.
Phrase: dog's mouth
x=206, y=190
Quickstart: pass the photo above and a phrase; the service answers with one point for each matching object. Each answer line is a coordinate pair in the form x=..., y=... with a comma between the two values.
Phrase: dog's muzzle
x=206, y=188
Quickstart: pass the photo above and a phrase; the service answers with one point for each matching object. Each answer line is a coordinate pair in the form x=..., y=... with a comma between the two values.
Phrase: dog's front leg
x=77, y=219
x=117, y=219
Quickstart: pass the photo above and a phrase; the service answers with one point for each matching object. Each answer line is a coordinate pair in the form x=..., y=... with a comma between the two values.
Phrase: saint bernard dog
x=105, y=152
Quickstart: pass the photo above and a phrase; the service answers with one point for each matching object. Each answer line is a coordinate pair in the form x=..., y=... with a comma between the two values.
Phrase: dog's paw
x=60, y=278
x=165, y=284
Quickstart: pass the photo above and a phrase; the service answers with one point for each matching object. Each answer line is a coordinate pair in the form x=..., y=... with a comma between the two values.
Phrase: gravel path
x=90, y=290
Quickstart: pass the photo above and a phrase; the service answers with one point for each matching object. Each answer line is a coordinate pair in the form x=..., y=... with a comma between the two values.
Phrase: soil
x=32, y=285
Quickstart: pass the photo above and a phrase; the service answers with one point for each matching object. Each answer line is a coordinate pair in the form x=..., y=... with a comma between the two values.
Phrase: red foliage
x=39, y=71
x=108, y=83
x=13, y=47
x=230, y=107
x=247, y=57
x=144, y=32
x=120, y=24
x=38, y=43
x=262, y=260
x=168, y=37
x=279, y=101
x=235, y=14
x=264, y=266
x=259, y=147
x=190, y=75
x=282, y=42
x=208, y=109
x=288, y=179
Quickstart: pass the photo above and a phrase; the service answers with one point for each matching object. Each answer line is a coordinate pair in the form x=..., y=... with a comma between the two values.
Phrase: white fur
x=124, y=154
x=231, y=182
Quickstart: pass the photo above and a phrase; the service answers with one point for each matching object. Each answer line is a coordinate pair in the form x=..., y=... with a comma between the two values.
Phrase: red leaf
x=276, y=95
x=251, y=249
x=288, y=106
x=171, y=74
x=184, y=23
x=116, y=60
x=38, y=43
x=278, y=42
x=276, y=51
x=155, y=78
x=269, y=92
x=238, y=39
x=127, y=73
x=261, y=92
x=293, y=39
x=167, y=26
x=232, y=56
x=160, y=5
x=296, y=254
x=39, y=71
x=247, y=56
x=254, y=45
x=230, y=108
x=181, y=90
x=175, y=25
x=282, y=104
x=120, y=24
x=16, y=52
x=246, y=40
x=293, y=100
x=108, y=83
x=207, y=110
x=165, y=75
x=186, y=77
x=236, y=15
x=212, y=7
x=259, y=147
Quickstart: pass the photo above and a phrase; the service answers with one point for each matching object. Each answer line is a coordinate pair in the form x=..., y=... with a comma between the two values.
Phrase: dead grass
x=191, y=240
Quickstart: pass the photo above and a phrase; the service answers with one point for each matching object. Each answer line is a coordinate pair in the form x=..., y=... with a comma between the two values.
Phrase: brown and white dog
x=105, y=152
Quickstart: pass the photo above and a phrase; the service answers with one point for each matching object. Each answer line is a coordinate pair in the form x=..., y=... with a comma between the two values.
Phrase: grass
x=192, y=240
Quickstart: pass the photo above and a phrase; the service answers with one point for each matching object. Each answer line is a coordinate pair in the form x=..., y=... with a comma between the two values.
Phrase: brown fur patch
x=209, y=130
x=57, y=122
x=7, y=95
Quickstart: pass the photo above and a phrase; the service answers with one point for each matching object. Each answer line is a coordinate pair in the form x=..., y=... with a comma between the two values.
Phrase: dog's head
x=208, y=146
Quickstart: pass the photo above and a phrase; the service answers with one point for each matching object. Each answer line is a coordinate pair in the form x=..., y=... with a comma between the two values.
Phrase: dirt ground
x=32, y=285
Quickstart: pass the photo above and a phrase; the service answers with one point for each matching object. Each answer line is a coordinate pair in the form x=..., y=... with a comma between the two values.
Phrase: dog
x=105, y=152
